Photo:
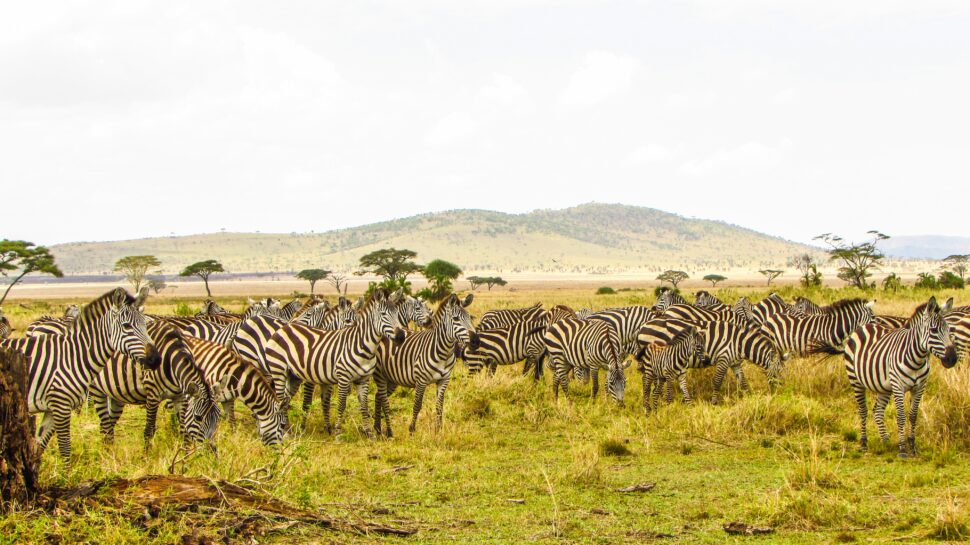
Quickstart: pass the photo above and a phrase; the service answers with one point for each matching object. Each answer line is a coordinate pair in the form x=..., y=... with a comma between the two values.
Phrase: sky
x=132, y=119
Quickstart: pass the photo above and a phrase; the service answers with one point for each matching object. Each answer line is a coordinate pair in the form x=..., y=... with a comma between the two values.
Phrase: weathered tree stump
x=18, y=463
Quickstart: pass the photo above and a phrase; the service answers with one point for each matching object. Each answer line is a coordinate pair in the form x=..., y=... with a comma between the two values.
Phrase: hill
x=590, y=238
x=925, y=247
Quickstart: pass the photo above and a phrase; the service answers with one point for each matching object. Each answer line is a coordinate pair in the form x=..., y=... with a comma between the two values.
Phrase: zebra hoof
x=904, y=454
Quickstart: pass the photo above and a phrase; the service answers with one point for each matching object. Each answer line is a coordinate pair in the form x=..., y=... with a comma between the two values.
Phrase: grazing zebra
x=62, y=366
x=421, y=359
x=669, y=363
x=506, y=317
x=726, y=345
x=586, y=345
x=666, y=298
x=344, y=357
x=505, y=346
x=802, y=334
x=239, y=379
x=767, y=307
x=891, y=362
x=5, y=327
x=626, y=321
x=551, y=316
x=123, y=382
x=700, y=316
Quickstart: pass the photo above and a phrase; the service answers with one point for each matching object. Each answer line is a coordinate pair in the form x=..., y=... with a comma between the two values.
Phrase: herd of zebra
x=114, y=354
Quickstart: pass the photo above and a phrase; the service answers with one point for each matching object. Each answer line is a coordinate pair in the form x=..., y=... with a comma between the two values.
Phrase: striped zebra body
x=669, y=363
x=553, y=315
x=627, y=322
x=48, y=325
x=891, y=362
x=803, y=334
x=726, y=346
x=223, y=334
x=507, y=317
x=289, y=310
x=584, y=313
x=890, y=322
x=960, y=329
x=505, y=346
x=700, y=316
x=5, y=328
x=667, y=298
x=343, y=357
x=62, y=366
x=772, y=305
x=239, y=379
x=585, y=346
x=805, y=307
x=124, y=382
x=421, y=359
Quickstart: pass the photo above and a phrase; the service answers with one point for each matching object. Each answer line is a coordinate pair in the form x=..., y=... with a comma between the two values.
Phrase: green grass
x=787, y=459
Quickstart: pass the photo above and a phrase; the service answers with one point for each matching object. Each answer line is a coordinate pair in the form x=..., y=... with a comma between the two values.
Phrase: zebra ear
x=119, y=297
x=871, y=304
x=468, y=300
x=142, y=297
x=948, y=306
x=192, y=389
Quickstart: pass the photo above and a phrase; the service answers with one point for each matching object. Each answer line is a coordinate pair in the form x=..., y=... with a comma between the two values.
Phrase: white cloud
x=602, y=76
x=506, y=93
x=750, y=156
x=652, y=153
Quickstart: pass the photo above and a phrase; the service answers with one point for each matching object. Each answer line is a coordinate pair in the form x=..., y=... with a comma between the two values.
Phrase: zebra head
x=210, y=307
x=128, y=331
x=761, y=350
x=742, y=309
x=704, y=299
x=453, y=314
x=200, y=410
x=414, y=309
x=71, y=312
x=936, y=330
x=666, y=298
x=381, y=311
x=805, y=307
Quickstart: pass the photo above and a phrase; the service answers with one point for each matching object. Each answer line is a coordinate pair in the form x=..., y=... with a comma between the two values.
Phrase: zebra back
x=812, y=334
x=769, y=306
x=507, y=317
x=505, y=345
x=705, y=299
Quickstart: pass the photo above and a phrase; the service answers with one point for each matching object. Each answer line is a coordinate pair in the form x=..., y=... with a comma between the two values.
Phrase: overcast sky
x=132, y=119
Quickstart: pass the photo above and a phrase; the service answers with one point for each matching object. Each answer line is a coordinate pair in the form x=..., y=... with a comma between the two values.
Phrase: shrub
x=183, y=309
x=613, y=447
x=950, y=280
x=605, y=290
x=927, y=281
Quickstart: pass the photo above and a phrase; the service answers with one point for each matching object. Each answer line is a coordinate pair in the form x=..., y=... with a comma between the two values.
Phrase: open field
x=786, y=459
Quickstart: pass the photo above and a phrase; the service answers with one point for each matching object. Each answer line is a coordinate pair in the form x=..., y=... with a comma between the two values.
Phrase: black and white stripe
x=799, y=335
x=663, y=363
x=505, y=346
x=585, y=346
x=667, y=298
x=507, y=317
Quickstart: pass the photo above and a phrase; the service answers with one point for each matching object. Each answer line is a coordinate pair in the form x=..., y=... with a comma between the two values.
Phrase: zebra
x=289, y=310
x=662, y=363
x=423, y=358
x=5, y=328
x=802, y=334
x=701, y=316
x=959, y=323
x=587, y=345
x=507, y=317
x=46, y=325
x=214, y=312
x=123, y=382
x=626, y=321
x=505, y=346
x=767, y=307
x=223, y=334
x=240, y=379
x=725, y=346
x=805, y=307
x=584, y=313
x=343, y=357
x=705, y=299
x=891, y=362
x=414, y=309
x=667, y=297
x=891, y=322
x=550, y=317
x=62, y=366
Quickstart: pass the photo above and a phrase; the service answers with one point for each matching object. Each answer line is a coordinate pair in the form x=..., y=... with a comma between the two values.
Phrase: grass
x=786, y=459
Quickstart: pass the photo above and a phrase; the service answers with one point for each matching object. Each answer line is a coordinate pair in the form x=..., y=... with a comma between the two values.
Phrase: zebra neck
x=93, y=346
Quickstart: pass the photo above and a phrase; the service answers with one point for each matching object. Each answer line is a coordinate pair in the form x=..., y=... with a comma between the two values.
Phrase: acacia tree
x=892, y=282
x=856, y=261
x=479, y=281
x=959, y=264
x=337, y=280
x=135, y=267
x=771, y=274
x=313, y=276
x=714, y=279
x=156, y=284
x=674, y=277
x=808, y=267
x=393, y=265
x=203, y=269
x=20, y=258
x=440, y=273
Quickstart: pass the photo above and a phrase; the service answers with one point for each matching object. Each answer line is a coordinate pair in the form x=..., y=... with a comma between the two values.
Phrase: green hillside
x=591, y=238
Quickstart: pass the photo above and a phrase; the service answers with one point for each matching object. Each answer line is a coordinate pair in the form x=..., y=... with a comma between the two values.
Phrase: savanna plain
x=512, y=465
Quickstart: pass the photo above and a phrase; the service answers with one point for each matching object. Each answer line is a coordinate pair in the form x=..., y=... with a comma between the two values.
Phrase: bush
x=182, y=309
x=605, y=290
x=613, y=447
x=950, y=280
x=927, y=281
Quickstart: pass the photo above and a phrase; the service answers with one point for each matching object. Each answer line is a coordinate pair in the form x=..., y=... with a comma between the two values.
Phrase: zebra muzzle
x=152, y=358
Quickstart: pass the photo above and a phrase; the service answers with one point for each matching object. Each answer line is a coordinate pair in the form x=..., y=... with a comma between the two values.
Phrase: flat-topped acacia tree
x=203, y=269
x=714, y=279
x=313, y=276
x=20, y=258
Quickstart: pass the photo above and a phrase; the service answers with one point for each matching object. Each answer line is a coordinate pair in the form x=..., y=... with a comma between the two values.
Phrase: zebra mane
x=566, y=308
x=842, y=304
x=97, y=308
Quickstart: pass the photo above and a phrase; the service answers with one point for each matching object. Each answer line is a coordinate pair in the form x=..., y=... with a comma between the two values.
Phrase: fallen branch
x=642, y=487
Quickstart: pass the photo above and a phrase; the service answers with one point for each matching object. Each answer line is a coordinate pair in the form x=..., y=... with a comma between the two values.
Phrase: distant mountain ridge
x=590, y=238
x=925, y=246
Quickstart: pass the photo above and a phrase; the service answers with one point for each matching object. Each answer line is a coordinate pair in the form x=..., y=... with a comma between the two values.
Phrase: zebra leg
x=899, y=397
x=527, y=366
x=229, y=411
x=343, y=390
x=307, y=396
x=647, y=383
x=439, y=403
x=860, y=400
x=914, y=402
x=659, y=384
x=151, y=416
x=326, y=391
x=109, y=412
x=44, y=432
x=668, y=391
x=595, y=376
x=418, y=401
x=742, y=382
x=362, y=388
x=879, y=415
x=62, y=425
x=492, y=367
x=719, y=373
x=386, y=408
x=682, y=380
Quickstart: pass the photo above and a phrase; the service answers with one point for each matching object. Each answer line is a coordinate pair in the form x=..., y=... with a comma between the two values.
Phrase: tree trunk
x=206, y=280
x=10, y=287
x=18, y=463
x=312, y=284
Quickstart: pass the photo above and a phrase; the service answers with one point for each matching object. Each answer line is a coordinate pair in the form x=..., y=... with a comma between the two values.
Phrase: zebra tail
x=820, y=347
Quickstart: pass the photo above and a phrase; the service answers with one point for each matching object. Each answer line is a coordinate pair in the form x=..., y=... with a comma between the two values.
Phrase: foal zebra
x=662, y=363
x=343, y=357
x=239, y=379
x=802, y=334
x=891, y=362
x=421, y=359
x=413, y=309
x=62, y=366
x=505, y=346
x=123, y=382
x=585, y=346
x=507, y=317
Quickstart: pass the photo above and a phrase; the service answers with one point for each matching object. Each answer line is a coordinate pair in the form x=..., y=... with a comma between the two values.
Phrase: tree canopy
x=20, y=258
x=771, y=274
x=714, y=279
x=313, y=276
x=959, y=264
x=856, y=261
x=479, y=281
x=390, y=263
x=135, y=267
x=674, y=277
x=203, y=269
x=440, y=273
